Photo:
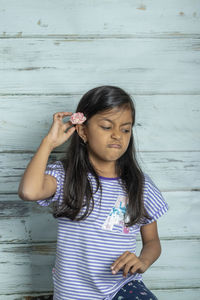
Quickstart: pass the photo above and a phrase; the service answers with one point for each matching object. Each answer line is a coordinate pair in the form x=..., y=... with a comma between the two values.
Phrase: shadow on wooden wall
x=49, y=297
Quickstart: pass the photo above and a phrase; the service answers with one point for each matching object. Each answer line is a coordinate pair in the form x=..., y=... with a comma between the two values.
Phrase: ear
x=81, y=130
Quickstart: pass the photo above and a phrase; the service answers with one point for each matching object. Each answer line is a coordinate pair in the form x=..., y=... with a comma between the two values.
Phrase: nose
x=116, y=134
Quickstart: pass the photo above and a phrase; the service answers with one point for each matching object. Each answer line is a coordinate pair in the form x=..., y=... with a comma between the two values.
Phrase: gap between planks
x=171, y=35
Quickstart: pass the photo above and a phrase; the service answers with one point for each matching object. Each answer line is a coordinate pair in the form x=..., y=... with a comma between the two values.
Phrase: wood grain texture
x=142, y=66
x=177, y=294
x=25, y=222
x=83, y=17
x=23, y=266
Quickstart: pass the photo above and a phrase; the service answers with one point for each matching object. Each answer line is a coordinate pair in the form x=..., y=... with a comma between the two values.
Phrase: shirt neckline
x=109, y=178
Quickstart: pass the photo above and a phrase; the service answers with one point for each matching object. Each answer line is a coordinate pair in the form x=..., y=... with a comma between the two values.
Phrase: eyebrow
x=127, y=123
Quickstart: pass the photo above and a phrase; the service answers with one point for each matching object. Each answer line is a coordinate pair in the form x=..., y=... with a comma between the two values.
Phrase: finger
x=61, y=115
x=121, y=263
x=122, y=257
x=67, y=125
x=135, y=268
x=119, y=259
x=70, y=132
x=129, y=265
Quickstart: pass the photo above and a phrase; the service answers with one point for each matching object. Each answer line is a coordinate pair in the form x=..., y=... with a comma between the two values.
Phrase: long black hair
x=78, y=192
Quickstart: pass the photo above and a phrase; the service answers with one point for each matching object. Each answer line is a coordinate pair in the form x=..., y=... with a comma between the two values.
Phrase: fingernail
x=114, y=272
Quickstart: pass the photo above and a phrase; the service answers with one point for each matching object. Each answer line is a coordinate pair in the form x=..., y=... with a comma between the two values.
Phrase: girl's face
x=108, y=134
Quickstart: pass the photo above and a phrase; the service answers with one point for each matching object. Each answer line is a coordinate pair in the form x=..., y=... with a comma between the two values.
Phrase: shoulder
x=148, y=182
x=55, y=169
x=151, y=191
x=154, y=202
x=152, y=194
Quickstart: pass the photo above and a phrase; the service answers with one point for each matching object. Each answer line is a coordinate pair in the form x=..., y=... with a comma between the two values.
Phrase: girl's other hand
x=129, y=262
x=57, y=135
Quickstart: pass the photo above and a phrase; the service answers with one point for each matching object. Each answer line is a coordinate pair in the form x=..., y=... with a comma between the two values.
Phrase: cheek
x=127, y=139
x=126, y=142
x=98, y=137
x=96, y=140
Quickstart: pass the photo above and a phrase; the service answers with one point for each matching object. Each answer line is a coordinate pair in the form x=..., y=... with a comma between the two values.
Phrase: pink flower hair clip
x=77, y=118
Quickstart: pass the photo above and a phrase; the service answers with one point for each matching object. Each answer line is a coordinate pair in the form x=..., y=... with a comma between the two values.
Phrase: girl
x=101, y=198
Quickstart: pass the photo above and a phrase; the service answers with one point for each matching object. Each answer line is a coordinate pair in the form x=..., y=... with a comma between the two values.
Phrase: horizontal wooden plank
x=177, y=294
x=23, y=267
x=172, y=171
x=99, y=17
x=163, y=122
x=166, y=294
x=143, y=66
x=26, y=222
x=26, y=268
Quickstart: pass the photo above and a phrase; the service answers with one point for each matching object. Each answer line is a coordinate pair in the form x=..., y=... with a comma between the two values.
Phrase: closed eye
x=105, y=127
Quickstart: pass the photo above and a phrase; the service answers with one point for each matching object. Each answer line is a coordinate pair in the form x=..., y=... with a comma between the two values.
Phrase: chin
x=113, y=158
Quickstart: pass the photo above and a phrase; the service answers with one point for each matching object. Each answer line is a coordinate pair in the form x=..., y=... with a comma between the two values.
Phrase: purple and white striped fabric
x=86, y=249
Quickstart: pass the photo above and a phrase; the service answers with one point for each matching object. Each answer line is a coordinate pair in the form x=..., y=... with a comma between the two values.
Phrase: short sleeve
x=55, y=169
x=154, y=203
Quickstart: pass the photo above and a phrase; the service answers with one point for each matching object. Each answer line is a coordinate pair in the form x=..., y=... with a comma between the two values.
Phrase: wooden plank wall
x=51, y=52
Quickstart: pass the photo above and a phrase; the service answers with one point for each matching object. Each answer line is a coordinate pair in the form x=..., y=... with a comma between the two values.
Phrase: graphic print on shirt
x=116, y=215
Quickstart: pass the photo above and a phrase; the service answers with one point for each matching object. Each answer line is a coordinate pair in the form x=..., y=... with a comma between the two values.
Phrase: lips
x=117, y=146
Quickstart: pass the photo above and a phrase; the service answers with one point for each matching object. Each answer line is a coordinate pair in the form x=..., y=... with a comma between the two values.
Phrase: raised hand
x=57, y=135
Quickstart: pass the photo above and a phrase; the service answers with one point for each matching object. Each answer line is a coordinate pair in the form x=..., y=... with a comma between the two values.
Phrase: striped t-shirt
x=87, y=248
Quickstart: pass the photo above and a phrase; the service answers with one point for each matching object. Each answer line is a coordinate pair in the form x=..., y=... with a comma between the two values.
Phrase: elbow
x=23, y=196
x=20, y=193
x=26, y=196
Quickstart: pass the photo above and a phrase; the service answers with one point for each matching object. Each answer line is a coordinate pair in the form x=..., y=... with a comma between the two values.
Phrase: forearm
x=150, y=252
x=33, y=177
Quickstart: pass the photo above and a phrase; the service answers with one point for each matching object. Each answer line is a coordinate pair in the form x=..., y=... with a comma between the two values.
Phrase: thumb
x=70, y=131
